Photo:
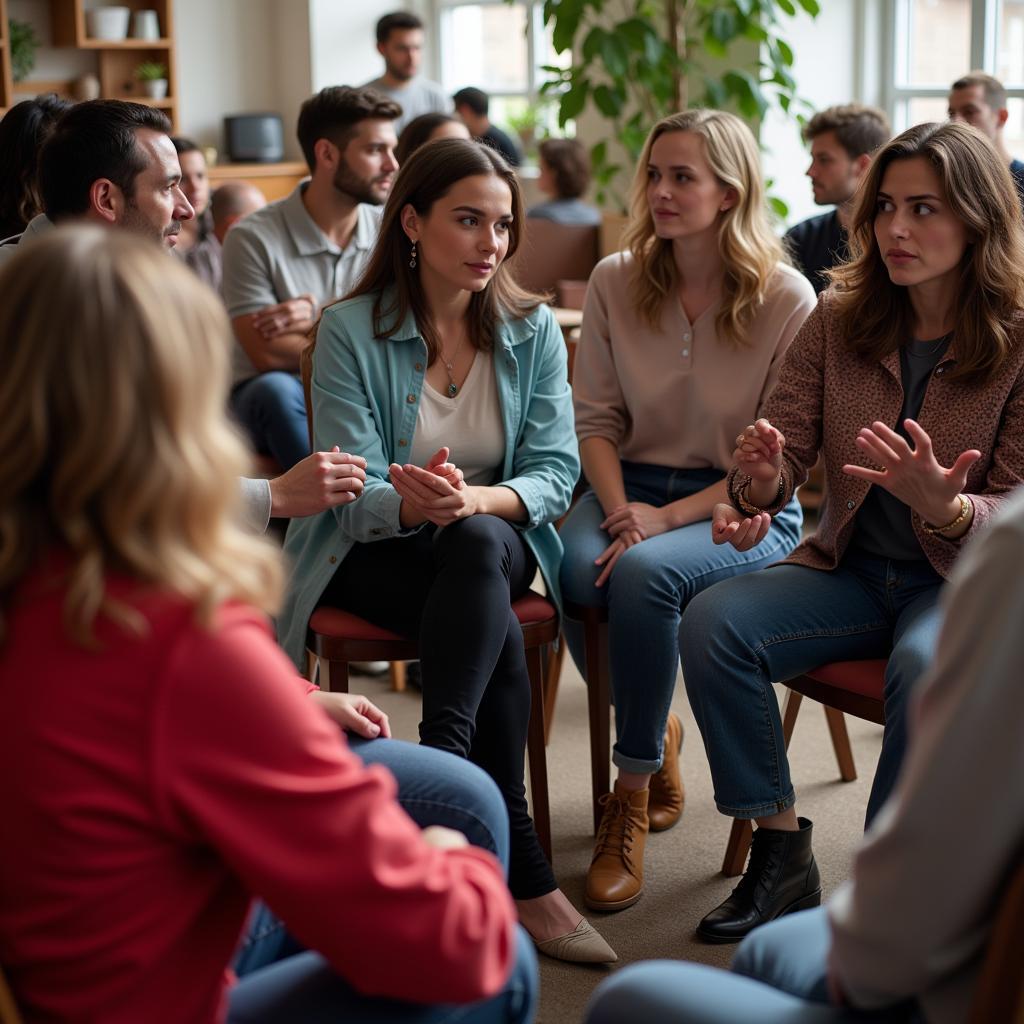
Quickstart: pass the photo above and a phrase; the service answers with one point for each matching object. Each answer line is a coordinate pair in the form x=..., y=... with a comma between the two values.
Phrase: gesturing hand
x=613, y=553
x=743, y=532
x=636, y=517
x=758, y=451
x=913, y=474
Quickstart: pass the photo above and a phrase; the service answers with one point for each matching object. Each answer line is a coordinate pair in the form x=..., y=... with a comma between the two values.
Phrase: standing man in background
x=473, y=106
x=979, y=100
x=842, y=141
x=400, y=43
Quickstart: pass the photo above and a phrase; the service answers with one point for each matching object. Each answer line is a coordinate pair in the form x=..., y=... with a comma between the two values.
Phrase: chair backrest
x=550, y=252
x=306, y=370
x=1000, y=993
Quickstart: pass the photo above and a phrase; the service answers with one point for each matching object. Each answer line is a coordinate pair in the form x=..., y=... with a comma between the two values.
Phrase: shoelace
x=615, y=835
x=761, y=855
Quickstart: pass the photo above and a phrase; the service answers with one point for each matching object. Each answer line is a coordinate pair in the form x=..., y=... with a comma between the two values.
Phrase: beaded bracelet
x=965, y=511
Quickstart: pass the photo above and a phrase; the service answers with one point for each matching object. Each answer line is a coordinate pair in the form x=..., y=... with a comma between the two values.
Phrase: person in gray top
x=565, y=177
x=400, y=43
x=283, y=263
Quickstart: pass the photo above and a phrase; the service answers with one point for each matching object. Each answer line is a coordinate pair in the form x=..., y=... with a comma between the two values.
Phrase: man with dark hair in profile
x=400, y=43
x=473, y=106
x=979, y=100
x=112, y=163
x=842, y=141
x=283, y=263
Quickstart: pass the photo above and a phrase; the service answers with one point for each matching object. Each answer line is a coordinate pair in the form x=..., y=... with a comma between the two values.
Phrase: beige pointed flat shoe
x=583, y=945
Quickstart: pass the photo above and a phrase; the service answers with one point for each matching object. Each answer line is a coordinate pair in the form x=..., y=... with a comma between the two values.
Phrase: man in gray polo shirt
x=283, y=263
x=400, y=43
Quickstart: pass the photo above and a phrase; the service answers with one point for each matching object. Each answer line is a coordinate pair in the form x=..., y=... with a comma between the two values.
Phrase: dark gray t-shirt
x=883, y=526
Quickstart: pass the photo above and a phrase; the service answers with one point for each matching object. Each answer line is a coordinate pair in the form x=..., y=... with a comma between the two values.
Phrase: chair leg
x=396, y=670
x=598, y=707
x=790, y=710
x=841, y=742
x=552, y=677
x=737, y=848
x=333, y=675
x=536, y=753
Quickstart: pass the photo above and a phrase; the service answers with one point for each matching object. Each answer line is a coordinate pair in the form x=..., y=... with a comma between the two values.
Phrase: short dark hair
x=418, y=131
x=335, y=111
x=995, y=91
x=23, y=130
x=184, y=145
x=570, y=164
x=859, y=129
x=93, y=140
x=400, y=20
x=476, y=99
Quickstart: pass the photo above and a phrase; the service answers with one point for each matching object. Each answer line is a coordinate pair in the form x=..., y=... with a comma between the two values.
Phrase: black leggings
x=453, y=588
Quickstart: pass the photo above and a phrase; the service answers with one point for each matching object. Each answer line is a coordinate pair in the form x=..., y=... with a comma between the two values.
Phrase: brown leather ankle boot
x=665, y=805
x=616, y=876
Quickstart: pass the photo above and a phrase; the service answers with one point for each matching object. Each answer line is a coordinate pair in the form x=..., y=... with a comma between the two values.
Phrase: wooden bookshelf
x=116, y=60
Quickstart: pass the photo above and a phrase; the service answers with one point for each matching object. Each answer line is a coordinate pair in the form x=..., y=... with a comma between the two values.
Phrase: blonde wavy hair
x=749, y=248
x=876, y=316
x=114, y=445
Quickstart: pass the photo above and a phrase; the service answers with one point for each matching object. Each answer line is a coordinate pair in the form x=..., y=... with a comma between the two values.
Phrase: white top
x=469, y=424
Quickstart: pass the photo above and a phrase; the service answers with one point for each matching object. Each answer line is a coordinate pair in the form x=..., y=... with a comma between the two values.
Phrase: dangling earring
x=412, y=256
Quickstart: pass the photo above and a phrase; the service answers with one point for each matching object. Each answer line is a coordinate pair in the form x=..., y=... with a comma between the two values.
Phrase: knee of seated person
x=477, y=541
x=276, y=385
x=631, y=993
x=707, y=614
x=907, y=664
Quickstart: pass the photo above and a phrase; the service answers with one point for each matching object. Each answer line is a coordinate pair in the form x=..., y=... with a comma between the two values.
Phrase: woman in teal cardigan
x=451, y=381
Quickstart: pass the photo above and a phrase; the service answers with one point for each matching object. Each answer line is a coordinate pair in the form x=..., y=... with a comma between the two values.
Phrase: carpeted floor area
x=682, y=877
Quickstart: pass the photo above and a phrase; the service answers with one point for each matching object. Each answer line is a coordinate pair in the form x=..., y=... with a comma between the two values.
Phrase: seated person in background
x=197, y=242
x=400, y=43
x=565, y=176
x=472, y=106
x=426, y=128
x=231, y=202
x=904, y=939
x=148, y=816
x=979, y=100
x=842, y=141
x=111, y=163
x=908, y=377
x=683, y=336
x=452, y=382
x=23, y=130
x=284, y=262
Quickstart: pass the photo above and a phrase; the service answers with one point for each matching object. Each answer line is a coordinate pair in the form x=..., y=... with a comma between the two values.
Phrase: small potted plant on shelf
x=24, y=43
x=153, y=76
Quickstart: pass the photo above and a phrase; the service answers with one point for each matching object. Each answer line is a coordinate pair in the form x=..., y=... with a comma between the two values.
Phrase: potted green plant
x=24, y=43
x=152, y=74
x=527, y=122
x=634, y=70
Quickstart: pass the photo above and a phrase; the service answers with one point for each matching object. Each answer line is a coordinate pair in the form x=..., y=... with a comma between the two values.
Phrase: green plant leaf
x=723, y=25
x=607, y=101
x=787, y=6
x=566, y=15
x=615, y=55
x=785, y=52
x=779, y=207
x=573, y=101
x=812, y=7
x=592, y=43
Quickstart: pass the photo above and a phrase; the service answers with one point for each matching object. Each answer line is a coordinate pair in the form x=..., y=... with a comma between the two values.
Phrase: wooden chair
x=850, y=687
x=550, y=252
x=336, y=638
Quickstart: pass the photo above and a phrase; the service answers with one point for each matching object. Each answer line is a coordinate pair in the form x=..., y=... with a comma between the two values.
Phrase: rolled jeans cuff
x=637, y=765
x=758, y=810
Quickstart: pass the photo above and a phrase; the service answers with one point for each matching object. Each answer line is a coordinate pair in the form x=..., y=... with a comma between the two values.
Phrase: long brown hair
x=114, y=444
x=428, y=176
x=750, y=250
x=876, y=316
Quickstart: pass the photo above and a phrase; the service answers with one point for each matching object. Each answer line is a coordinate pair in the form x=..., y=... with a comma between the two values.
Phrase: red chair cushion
x=344, y=625
x=864, y=677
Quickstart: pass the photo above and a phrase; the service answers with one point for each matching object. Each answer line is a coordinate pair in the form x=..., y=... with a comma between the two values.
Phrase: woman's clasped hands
x=628, y=524
x=435, y=493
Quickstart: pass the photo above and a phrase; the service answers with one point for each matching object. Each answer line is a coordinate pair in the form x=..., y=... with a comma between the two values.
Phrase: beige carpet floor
x=683, y=880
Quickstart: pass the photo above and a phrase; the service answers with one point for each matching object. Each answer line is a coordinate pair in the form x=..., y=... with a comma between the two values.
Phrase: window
x=498, y=47
x=934, y=42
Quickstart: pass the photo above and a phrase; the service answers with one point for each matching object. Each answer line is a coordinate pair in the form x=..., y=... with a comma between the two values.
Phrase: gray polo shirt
x=420, y=96
x=279, y=253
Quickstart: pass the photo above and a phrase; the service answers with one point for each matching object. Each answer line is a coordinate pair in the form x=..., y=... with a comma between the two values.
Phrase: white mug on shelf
x=108, y=23
x=146, y=25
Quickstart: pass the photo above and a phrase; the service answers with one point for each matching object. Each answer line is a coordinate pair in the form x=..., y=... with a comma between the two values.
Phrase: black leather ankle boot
x=781, y=877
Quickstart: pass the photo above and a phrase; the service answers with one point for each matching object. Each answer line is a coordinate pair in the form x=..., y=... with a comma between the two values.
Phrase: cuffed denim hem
x=759, y=810
x=635, y=764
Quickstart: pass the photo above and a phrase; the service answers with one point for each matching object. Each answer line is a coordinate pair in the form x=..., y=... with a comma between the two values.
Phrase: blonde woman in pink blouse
x=683, y=334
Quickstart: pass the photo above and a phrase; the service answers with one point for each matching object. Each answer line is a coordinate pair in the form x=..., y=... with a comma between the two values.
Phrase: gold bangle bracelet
x=965, y=511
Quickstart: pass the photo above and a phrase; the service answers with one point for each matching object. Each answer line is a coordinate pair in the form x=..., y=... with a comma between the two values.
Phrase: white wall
x=827, y=72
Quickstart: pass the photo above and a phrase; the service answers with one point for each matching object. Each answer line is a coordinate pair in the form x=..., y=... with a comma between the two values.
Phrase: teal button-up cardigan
x=366, y=395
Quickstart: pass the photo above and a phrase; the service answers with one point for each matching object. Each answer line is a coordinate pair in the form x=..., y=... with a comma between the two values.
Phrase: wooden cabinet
x=116, y=60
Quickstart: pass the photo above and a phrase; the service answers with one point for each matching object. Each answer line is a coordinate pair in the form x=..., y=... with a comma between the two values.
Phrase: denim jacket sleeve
x=346, y=414
x=545, y=462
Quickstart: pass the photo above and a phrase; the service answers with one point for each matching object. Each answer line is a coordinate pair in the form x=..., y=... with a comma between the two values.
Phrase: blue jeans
x=741, y=635
x=282, y=982
x=649, y=587
x=778, y=977
x=272, y=409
